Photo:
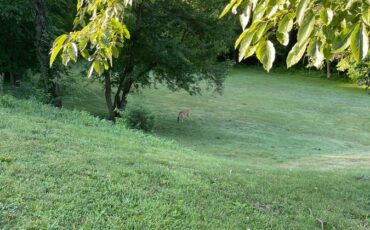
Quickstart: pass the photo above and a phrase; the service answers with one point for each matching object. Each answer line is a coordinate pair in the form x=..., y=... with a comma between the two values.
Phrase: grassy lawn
x=275, y=151
x=262, y=117
x=293, y=119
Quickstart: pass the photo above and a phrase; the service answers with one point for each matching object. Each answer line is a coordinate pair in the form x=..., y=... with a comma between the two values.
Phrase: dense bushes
x=137, y=117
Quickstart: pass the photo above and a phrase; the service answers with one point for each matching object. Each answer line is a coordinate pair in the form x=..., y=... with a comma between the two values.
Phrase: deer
x=182, y=114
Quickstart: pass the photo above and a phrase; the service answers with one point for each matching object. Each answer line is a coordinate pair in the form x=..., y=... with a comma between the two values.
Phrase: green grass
x=264, y=116
x=274, y=152
x=290, y=118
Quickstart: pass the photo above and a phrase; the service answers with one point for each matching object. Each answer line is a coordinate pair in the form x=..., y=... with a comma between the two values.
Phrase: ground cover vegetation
x=61, y=168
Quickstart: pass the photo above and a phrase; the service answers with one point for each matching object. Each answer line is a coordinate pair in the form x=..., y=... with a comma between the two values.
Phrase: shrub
x=139, y=118
x=7, y=101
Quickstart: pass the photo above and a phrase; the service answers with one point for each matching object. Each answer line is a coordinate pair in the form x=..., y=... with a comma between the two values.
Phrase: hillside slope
x=63, y=169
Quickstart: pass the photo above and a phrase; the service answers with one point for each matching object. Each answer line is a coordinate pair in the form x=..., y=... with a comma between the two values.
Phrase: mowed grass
x=268, y=116
x=273, y=152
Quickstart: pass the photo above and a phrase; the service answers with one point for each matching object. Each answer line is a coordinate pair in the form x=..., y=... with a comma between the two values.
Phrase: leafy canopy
x=18, y=32
x=326, y=29
x=103, y=33
x=177, y=40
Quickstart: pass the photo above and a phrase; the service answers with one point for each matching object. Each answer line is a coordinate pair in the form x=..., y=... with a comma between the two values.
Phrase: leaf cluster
x=326, y=29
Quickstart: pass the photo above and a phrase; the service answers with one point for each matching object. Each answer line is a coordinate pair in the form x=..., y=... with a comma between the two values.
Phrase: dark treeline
x=28, y=30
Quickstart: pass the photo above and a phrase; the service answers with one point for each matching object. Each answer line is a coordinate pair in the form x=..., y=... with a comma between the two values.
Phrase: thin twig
x=321, y=222
x=309, y=209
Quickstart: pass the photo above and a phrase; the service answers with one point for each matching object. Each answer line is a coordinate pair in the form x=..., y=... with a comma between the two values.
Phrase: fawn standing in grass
x=182, y=114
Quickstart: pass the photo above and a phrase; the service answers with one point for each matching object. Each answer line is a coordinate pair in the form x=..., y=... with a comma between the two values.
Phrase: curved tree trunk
x=126, y=79
x=124, y=88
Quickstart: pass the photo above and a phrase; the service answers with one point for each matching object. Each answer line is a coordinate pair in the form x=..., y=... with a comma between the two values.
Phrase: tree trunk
x=108, y=96
x=328, y=69
x=40, y=23
x=49, y=78
x=126, y=79
x=120, y=99
x=125, y=91
x=56, y=91
x=12, y=79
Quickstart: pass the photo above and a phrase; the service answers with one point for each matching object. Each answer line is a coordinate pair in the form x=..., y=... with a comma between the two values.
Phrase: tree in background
x=17, y=26
x=28, y=29
x=357, y=72
x=325, y=29
x=171, y=42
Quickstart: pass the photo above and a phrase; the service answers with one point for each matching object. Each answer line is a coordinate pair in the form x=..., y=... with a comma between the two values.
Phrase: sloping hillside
x=62, y=169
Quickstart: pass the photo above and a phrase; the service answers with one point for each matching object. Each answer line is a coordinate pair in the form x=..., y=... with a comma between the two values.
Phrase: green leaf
x=342, y=42
x=266, y=54
x=90, y=72
x=54, y=53
x=286, y=23
x=326, y=15
x=306, y=29
x=366, y=16
x=245, y=44
x=359, y=43
x=240, y=38
x=327, y=51
x=85, y=54
x=73, y=51
x=261, y=29
x=79, y=4
x=57, y=46
x=228, y=8
x=260, y=9
x=283, y=38
x=61, y=39
x=126, y=32
x=315, y=51
x=65, y=57
x=272, y=8
x=121, y=28
x=301, y=10
x=98, y=67
x=296, y=54
x=245, y=16
x=250, y=51
x=83, y=43
x=349, y=4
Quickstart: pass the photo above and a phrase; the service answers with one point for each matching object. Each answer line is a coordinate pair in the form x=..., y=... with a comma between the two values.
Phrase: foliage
x=357, y=72
x=172, y=42
x=325, y=29
x=137, y=117
x=16, y=24
x=103, y=33
x=17, y=40
x=28, y=28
